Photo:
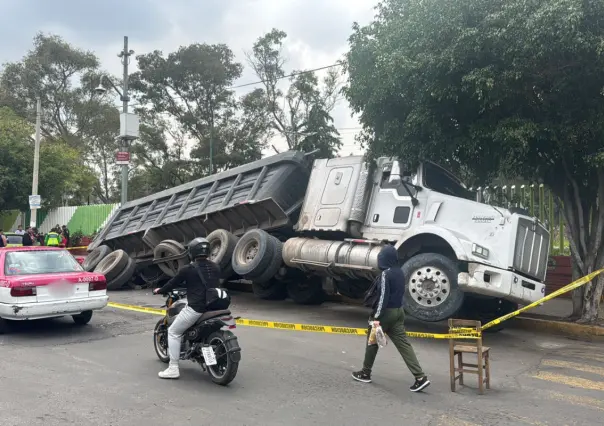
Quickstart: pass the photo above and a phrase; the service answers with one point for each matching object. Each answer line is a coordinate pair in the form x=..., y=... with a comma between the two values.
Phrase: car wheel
x=83, y=318
x=112, y=265
x=253, y=254
x=94, y=258
x=431, y=290
x=4, y=326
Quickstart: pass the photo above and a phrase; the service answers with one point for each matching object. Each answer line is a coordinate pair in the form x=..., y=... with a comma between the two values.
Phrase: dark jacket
x=391, y=287
x=188, y=277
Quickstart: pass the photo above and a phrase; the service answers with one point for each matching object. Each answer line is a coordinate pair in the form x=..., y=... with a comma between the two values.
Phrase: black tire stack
x=118, y=269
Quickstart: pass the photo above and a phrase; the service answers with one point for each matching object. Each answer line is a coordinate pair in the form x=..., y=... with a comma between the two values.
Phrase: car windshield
x=40, y=262
x=14, y=239
x=440, y=180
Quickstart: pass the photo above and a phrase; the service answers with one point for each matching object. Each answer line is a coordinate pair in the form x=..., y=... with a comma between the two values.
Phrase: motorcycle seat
x=212, y=314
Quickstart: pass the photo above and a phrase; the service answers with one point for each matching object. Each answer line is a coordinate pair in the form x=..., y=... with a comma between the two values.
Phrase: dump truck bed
x=265, y=194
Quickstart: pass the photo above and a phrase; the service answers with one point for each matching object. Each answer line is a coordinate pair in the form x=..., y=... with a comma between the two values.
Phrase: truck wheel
x=431, y=290
x=112, y=265
x=151, y=274
x=253, y=254
x=306, y=292
x=222, y=245
x=169, y=248
x=486, y=309
x=275, y=264
x=94, y=258
x=124, y=277
x=270, y=290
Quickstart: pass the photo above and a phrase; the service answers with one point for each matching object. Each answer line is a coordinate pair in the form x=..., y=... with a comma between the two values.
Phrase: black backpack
x=372, y=295
x=217, y=299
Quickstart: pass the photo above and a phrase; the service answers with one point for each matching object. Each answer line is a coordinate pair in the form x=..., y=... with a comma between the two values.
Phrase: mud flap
x=233, y=349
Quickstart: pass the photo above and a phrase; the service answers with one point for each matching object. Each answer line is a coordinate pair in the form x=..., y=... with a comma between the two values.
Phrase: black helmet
x=199, y=247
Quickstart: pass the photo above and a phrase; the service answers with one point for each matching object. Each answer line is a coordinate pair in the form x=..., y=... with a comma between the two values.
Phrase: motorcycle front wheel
x=225, y=369
x=160, y=341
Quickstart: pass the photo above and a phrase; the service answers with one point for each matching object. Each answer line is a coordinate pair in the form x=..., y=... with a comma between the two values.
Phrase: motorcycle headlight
x=480, y=251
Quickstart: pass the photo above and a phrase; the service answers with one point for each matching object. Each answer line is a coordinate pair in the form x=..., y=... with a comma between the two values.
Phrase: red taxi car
x=46, y=282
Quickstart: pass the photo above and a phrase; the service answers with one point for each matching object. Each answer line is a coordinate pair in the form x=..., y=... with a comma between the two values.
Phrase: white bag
x=380, y=336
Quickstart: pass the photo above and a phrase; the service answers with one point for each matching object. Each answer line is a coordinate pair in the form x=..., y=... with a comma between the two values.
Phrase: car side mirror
x=395, y=174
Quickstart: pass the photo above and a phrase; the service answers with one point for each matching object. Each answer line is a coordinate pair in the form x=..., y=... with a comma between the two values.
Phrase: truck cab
x=456, y=252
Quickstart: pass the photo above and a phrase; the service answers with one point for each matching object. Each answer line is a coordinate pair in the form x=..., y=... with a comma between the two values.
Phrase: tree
x=64, y=76
x=191, y=87
x=61, y=172
x=509, y=87
x=302, y=114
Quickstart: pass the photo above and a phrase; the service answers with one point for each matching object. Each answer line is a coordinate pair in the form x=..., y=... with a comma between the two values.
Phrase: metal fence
x=538, y=201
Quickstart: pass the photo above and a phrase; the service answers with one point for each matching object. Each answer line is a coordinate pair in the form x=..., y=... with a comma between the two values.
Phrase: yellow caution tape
x=76, y=248
x=575, y=284
x=463, y=333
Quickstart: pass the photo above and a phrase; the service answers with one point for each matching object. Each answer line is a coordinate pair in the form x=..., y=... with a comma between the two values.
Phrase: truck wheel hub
x=429, y=286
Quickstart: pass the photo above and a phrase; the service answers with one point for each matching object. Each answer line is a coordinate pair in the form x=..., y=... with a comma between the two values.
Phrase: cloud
x=317, y=30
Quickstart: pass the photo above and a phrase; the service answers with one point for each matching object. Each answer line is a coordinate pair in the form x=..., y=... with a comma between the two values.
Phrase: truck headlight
x=480, y=251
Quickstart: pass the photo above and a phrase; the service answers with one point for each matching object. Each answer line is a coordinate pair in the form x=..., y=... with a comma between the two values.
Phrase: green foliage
x=496, y=88
x=302, y=114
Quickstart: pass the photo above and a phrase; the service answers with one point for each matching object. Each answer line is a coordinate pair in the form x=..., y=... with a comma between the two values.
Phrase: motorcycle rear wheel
x=225, y=370
x=160, y=341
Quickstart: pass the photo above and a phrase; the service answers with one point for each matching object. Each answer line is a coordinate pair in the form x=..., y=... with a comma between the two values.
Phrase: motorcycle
x=209, y=342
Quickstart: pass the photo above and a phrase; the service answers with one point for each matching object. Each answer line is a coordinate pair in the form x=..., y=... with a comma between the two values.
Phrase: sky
x=318, y=32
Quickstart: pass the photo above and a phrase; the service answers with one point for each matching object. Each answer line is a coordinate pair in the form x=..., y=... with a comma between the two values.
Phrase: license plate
x=208, y=355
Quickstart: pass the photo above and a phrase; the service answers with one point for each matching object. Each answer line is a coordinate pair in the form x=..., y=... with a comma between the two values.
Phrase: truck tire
x=275, y=263
x=486, y=309
x=124, y=277
x=168, y=248
x=270, y=290
x=151, y=275
x=95, y=257
x=431, y=290
x=112, y=265
x=253, y=254
x=222, y=245
x=307, y=292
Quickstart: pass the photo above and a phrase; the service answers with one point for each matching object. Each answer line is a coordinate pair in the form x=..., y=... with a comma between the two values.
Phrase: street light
x=128, y=121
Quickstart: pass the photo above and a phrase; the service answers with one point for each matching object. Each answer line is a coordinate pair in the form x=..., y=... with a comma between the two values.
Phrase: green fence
x=538, y=200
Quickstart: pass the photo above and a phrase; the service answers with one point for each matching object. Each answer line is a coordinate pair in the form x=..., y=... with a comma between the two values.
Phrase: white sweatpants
x=184, y=320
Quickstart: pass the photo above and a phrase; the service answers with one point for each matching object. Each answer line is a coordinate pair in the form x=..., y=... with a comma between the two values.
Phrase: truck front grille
x=532, y=249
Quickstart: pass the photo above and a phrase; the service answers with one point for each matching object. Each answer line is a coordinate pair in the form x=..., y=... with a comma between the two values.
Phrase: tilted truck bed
x=266, y=194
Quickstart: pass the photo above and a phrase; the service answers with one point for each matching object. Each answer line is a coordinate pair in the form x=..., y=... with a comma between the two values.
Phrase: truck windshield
x=440, y=180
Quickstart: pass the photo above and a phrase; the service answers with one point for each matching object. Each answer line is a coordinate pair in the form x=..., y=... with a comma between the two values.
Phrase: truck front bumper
x=490, y=281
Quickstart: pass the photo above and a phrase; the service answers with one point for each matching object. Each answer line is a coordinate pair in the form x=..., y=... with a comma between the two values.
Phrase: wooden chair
x=469, y=346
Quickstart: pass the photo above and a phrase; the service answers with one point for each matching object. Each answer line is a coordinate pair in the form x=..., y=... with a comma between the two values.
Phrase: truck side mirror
x=395, y=173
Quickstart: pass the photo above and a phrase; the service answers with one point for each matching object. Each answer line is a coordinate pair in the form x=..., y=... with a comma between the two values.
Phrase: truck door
x=391, y=205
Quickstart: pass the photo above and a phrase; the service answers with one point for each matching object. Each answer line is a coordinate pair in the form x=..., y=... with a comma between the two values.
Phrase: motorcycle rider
x=188, y=276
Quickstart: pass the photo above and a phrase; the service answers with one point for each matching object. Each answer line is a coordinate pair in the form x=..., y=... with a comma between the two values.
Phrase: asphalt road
x=55, y=373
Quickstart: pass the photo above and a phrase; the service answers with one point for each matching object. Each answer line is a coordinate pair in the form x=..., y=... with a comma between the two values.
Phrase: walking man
x=386, y=298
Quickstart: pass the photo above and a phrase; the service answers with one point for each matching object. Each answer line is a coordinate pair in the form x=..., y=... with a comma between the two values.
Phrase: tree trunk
x=577, y=294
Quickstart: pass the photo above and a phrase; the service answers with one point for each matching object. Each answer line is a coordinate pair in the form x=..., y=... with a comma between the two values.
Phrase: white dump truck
x=303, y=228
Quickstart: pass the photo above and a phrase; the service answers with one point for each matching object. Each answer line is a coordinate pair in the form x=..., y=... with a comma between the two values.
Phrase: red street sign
x=122, y=157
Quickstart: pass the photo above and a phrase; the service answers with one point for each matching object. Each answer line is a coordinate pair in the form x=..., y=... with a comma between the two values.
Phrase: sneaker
x=362, y=376
x=420, y=384
x=172, y=372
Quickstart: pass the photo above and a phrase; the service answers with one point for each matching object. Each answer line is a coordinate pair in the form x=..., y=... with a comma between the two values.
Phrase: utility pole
x=125, y=55
x=34, y=184
x=212, y=143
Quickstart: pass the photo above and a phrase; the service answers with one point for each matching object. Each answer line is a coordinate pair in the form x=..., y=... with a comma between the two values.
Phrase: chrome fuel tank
x=355, y=259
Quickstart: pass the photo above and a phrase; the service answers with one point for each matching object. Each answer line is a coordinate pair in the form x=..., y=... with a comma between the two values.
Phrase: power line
x=294, y=74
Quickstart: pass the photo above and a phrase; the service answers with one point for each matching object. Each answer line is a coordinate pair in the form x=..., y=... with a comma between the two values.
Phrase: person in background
x=386, y=298
x=52, y=239
x=28, y=237
x=65, y=232
x=2, y=239
x=20, y=230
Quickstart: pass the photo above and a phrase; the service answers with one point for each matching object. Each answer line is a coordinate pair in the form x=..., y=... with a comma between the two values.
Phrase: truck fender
x=449, y=237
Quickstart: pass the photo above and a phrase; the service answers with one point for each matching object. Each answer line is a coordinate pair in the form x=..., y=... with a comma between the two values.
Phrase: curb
x=567, y=329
